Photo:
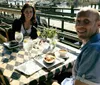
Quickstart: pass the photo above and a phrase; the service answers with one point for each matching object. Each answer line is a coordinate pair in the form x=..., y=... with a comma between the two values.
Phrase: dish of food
x=12, y=44
x=48, y=64
x=49, y=58
x=63, y=52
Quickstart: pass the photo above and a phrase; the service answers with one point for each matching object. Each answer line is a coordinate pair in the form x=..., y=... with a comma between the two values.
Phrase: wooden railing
x=69, y=36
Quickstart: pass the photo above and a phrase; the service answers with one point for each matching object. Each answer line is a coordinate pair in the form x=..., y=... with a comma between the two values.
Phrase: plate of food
x=11, y=44
x=48, y=60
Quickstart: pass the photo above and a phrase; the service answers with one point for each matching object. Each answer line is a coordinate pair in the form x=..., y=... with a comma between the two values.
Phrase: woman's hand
x=55, y=83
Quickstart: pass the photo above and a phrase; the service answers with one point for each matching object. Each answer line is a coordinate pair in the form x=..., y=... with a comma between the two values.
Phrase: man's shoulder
x=95, y=45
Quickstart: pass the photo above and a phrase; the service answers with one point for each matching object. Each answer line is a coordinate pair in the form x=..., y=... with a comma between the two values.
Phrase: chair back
x=3, y=79
x=3, y=35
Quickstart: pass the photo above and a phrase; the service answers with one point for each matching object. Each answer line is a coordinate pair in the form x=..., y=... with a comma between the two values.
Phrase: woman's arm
x=16, y=26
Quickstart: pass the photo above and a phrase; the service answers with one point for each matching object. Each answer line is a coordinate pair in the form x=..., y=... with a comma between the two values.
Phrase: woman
x=26, y=24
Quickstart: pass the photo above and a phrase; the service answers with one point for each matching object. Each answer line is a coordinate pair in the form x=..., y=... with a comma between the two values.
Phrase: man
x=87, y=66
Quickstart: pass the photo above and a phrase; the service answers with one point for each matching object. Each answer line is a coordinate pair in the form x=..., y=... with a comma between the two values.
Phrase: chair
x=3, y=79
x=3, y=35
x=43, y=22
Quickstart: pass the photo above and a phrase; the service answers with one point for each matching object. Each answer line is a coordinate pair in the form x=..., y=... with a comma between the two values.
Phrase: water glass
x=19, y=36
x=28, y=45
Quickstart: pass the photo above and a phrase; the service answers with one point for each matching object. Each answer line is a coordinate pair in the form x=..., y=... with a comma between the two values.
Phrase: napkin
x=28, y=67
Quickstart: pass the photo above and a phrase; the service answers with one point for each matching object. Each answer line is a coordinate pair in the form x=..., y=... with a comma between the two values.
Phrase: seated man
x=86, y=69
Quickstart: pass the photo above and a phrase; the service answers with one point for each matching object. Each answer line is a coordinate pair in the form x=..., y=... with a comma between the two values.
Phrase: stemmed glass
x=28, y=45
x=19, y=37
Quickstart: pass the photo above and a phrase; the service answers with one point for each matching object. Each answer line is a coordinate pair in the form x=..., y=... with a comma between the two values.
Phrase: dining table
x=11, y=58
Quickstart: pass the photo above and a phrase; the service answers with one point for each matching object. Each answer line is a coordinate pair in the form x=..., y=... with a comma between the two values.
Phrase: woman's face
x=28, y=13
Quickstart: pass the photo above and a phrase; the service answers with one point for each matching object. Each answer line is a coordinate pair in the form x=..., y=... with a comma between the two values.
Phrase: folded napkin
x=28, y=67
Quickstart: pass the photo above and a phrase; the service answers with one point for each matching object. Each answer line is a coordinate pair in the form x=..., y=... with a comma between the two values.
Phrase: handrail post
x=48, y=21
x=99, y=4
x=22, y=3
x=15, y=2
x=62, y=27
x=72, y=10
x=95, y=6
x=12, y=15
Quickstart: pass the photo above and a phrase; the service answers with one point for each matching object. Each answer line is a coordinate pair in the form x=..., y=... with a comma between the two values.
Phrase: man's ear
x=98, y=23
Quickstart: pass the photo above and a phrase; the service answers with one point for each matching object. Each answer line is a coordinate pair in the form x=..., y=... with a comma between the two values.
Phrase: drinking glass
x=28, y=45
x=19, y=37
x=53, y=42
x=38, y=33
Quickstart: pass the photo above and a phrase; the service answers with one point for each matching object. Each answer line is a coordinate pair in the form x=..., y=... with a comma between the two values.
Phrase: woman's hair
x=22, y=18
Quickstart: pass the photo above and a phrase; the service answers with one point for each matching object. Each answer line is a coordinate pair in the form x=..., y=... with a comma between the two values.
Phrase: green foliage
x=48, y=33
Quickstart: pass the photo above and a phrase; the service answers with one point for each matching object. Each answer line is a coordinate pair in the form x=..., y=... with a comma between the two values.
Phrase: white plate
x=40, y=59
x=28, y=67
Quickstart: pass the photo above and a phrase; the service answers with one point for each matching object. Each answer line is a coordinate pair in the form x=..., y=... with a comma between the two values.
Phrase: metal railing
x=69, y=36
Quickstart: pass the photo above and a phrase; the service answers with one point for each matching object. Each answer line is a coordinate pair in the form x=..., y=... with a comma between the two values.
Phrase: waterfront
x=61, y=18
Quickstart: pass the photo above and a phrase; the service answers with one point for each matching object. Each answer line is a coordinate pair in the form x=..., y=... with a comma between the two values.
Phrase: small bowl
x=63, y=52
x=49, y=58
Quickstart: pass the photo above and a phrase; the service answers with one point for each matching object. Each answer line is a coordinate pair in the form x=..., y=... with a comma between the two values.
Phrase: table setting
x=34, y=59
x=17, y=43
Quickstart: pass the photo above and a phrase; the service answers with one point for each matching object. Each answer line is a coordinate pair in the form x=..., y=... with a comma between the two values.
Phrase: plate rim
x=57, y=58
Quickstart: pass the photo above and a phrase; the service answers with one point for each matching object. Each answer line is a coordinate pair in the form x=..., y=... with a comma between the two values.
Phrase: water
x=21, y=2
x=76, y=11
x=17, y=2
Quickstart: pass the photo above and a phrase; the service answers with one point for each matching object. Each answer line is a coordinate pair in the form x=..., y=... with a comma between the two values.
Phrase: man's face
x=86, y=25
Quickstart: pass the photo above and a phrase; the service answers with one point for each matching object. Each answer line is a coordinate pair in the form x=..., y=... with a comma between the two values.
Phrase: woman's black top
x=16, y=26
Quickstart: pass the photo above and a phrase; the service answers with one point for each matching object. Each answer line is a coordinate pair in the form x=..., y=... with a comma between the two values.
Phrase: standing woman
x=26, y=23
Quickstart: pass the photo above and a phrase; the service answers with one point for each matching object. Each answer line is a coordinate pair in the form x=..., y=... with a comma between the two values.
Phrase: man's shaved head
x=85, y=12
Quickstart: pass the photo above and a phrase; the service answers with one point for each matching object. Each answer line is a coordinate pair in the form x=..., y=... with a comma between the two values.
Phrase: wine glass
x=19, y=37
x=28, y=45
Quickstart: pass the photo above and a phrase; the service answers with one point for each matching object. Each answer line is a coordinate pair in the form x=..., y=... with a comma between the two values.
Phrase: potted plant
x=49, y=35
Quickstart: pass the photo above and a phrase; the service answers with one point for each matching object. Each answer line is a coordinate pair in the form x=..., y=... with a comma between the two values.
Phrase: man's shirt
x=87, y=65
